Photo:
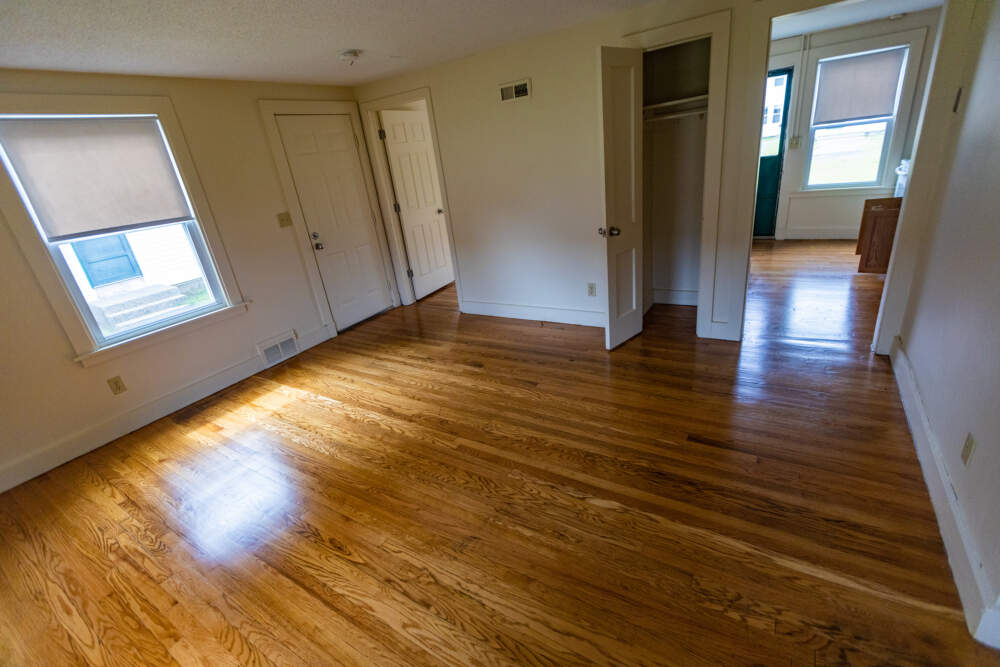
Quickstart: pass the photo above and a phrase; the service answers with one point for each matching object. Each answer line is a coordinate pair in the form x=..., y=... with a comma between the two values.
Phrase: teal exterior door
x=107, y=259
x=772, y=150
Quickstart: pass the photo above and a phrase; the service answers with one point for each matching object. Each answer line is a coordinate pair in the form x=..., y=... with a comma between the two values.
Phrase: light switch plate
x=284, y=219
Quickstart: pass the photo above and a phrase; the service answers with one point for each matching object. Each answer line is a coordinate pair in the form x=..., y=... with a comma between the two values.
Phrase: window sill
x=853, y=190
x=110, y=352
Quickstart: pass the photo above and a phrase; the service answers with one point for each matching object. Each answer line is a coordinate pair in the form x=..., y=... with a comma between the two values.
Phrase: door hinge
x=381, y=134
x=395, y=207
x=409, y=273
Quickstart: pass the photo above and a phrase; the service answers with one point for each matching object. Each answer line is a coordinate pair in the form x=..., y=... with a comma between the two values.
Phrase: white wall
x=51, y=408
x=951, y=336
x=835, y=213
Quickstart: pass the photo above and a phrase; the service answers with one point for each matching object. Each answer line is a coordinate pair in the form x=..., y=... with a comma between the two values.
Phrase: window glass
x=847, y=154
x=106, y=198
x=854, y=108
x=161, y=280
x=774, y=106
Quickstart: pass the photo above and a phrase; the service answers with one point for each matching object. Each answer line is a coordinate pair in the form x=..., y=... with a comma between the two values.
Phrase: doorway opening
x=685, y=67
x=675, y=106
x=839, y=124
x=777, y=95
x=405, y=157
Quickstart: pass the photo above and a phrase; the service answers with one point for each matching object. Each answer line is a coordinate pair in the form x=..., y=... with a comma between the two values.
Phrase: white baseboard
x=676, y=297
x=982, y=613
x=590, y=318
x=39, y=461
x=315, y=336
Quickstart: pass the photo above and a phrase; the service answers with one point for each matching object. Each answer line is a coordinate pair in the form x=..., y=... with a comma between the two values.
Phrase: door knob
x=315, y=236
x=318, y=246
x=614, y=231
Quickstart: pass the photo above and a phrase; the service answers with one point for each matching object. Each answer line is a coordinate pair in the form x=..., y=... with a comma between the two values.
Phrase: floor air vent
x=279, y=348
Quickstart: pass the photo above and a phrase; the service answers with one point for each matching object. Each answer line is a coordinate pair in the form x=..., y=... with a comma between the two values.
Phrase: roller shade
x=858, y=87
x=88, y=175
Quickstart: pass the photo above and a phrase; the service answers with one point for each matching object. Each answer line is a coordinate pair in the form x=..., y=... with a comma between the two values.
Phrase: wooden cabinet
x=878, y=229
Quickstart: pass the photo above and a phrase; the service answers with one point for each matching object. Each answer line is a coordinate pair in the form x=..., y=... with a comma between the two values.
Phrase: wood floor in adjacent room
x=430, y=487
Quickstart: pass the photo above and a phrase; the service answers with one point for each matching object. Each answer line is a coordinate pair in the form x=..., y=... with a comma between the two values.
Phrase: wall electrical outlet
x=284, y=219
x=117, y=385
x=591, y=289
x=968, y=449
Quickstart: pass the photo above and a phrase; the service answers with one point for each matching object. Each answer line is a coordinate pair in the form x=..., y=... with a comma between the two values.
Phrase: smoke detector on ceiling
x=349, y=56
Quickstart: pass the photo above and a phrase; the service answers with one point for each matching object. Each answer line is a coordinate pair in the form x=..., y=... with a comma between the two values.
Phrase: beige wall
x=952, y=331
x=52, y=408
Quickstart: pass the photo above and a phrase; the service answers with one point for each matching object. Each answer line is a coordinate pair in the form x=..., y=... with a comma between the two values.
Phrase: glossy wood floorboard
x=436, y=488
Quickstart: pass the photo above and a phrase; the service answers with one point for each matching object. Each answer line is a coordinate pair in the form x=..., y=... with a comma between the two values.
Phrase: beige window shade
x=87, y=175
x=858, y=87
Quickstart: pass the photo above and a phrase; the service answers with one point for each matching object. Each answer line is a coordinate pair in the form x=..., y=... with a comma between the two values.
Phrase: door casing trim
x=712, y=322
x=383, y=179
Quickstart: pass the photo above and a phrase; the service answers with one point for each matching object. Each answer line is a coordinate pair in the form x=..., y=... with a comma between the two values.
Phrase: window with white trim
x=854, y=113
x=107, y=199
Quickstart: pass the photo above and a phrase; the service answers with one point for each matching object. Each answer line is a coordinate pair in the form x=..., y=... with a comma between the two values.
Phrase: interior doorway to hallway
x=405, y=159
x=839, y=124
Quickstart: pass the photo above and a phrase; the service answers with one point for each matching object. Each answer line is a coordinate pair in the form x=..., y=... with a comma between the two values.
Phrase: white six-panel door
x=326, y=168
x=621, y=107
x=414, y=179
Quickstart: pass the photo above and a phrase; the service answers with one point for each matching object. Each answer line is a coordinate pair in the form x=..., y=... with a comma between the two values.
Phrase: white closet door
x=621, y=95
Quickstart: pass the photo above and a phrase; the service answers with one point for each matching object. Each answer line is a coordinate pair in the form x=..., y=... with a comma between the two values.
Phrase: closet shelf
x=671, y=103
x=679, y=114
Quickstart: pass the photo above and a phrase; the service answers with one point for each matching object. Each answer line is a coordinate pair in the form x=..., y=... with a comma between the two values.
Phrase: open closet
x=675, y=105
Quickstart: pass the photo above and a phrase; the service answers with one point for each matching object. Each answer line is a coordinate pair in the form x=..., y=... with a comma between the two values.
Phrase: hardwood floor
x=430, y=487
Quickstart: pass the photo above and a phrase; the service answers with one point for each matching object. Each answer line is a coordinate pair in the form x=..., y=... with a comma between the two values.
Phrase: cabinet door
x=878, y=230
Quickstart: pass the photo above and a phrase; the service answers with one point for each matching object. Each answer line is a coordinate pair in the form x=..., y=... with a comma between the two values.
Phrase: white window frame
x=898, y=125
x=71, y=315
x=890, y=127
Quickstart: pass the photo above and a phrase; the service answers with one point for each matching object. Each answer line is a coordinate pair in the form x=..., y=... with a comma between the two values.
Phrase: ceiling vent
x=278, y=349
x=515, y=91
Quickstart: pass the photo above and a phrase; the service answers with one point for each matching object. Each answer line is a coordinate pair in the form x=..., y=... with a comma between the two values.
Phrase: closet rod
x=679, y=114
x=672, y=103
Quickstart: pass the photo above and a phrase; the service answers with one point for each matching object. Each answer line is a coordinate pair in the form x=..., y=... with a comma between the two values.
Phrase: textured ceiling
x=270, y=40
